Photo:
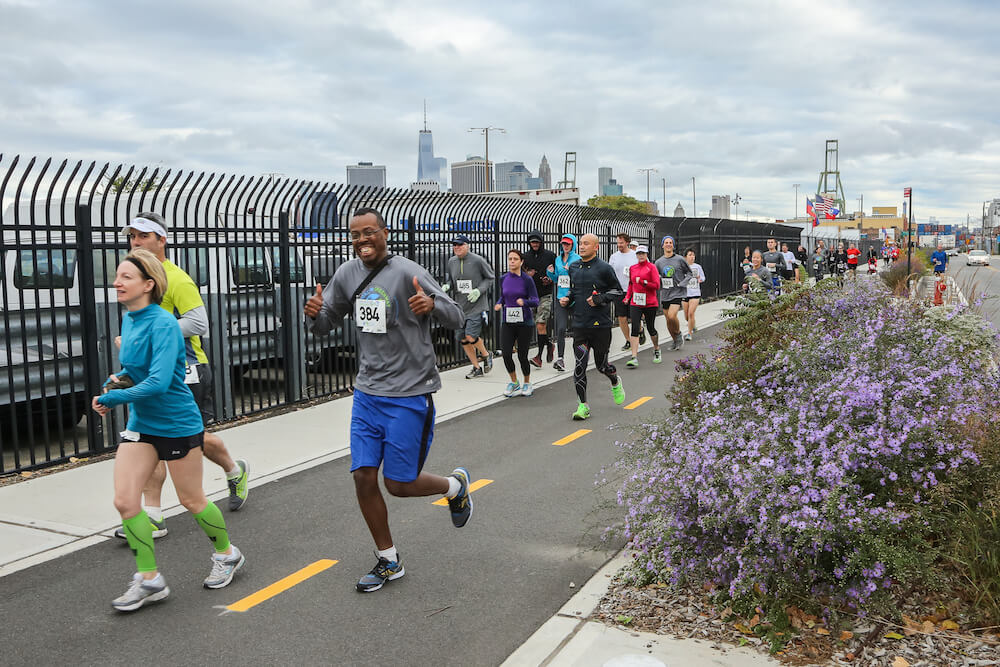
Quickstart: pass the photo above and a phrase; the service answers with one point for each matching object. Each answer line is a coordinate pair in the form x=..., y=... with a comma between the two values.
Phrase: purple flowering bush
x=819, y=457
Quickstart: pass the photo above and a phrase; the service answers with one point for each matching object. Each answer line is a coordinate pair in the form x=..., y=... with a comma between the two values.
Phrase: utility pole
x=486, y=132
x=736, y=205
x=647, y=171
x=796, y=186
x=909, y=230
x=694, y=200
x=664, y=197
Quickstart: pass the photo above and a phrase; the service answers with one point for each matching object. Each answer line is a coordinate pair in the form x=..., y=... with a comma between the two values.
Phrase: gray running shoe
x=224, y=568
x=159, y=529
x=384, y=570
x=487, y=363
x=461, y=505
x=559, y=365
x=678, y=342
x=141, y=592
x=476, y=372
x=238, y=487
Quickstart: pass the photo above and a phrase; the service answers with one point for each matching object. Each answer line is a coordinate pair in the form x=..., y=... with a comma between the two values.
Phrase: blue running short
x=394, y=432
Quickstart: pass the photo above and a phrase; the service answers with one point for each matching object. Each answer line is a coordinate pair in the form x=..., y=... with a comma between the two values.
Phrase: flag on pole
x=906, y=192
x=825, y=205
x=811, y=211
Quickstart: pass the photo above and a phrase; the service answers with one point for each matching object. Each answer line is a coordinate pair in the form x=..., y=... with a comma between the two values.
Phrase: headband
x=141, y=268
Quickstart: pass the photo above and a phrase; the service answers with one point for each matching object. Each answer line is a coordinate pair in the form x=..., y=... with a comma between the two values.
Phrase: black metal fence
x=256, y=247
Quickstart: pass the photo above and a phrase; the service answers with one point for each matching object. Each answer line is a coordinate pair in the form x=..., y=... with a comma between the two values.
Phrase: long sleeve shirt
x=674, y=275
x=596, y=280
x=399, y=360
x=153, y=356
x=514, y=287
x=644, y=279
x=468, y=273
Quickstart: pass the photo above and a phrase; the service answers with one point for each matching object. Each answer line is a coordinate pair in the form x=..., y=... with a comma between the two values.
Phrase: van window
x=194, y=261
x=298, y=273
x=106, y=263
x=43, y=269
x=249, y=266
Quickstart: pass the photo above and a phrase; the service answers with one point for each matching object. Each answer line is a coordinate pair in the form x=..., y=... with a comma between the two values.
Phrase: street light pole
x=664, y=197
x=796, y=186
x=648, y=171
x=486, y=131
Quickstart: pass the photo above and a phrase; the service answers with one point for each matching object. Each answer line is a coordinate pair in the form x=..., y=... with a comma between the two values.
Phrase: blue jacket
x=562, y=268
x=153, y=356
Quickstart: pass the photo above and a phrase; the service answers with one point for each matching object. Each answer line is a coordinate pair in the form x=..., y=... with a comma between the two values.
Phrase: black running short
x=168, y=449
x=672, y=302
x=621, y=308
x=202, y=391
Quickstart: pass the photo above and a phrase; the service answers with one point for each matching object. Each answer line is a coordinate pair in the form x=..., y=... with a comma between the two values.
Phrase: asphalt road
x=470, y=596
x=973, y=280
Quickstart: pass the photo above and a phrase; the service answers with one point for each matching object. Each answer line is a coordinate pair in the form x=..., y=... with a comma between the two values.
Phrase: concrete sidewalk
x=52, y=515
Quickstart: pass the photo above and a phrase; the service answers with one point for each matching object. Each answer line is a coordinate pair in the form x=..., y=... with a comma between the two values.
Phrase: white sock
x=156, y=581
x=234, y=473
x=454, y=487
x=154, y=513
x=388, y=554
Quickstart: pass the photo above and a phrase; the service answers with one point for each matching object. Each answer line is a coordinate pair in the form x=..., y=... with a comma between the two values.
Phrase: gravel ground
x=922, y=639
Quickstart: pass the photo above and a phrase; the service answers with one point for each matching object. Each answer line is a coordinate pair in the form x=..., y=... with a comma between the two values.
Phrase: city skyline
x=907, y=89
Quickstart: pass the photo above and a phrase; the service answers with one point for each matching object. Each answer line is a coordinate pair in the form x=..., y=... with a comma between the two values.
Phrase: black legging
x=520, y=334
x=639, y=313
x=585, y=340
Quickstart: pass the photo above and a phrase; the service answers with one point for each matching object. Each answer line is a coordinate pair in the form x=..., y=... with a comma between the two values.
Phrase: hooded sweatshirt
x=644, y=278
x=562, y=268
x=474, y=272
x=539, y=262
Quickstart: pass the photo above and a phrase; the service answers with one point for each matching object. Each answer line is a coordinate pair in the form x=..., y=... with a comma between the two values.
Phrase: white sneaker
x=527, y=389
x=512, y=389
x=224, y=567
x=140, y=592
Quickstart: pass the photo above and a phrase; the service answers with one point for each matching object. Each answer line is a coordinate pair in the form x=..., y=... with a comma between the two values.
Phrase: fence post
x=88, y=312
x=288, y=330
x=411, y=239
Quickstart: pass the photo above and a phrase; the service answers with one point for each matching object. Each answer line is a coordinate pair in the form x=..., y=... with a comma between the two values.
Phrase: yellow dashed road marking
x=571, y=437
x=281, y=585
x=634, y=404
x=475, y=486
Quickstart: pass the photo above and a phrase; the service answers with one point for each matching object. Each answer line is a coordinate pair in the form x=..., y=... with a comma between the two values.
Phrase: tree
x=121, y=184
x=619, y=203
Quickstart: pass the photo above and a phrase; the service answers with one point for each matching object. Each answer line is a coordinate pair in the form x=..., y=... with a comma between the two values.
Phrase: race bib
x=370, y=315
x=191, y=375
x=515, y=314
x=626, y=271
x=464, y=286
x=693, y=282
x=564, y=282
x=771, y=265
x=639, y=298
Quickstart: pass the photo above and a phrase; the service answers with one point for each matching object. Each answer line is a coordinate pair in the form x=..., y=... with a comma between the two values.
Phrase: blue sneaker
x=384, y=570
x=461, y=505
x=513, y=389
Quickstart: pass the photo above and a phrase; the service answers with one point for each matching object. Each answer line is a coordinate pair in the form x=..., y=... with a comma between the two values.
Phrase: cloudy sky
x=740, y=94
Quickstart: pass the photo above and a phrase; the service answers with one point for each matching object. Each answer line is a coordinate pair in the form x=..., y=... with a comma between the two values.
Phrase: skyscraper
x=469, y=175
x=612, y=189
x=545, y=174
x=720, y=206
x=430, y=168
x=366, y=173
x=603, y=178
x=501, y=175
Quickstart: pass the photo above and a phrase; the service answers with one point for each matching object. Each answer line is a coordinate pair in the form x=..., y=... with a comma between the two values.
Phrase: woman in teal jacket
x=559, y=274
x=164, y=424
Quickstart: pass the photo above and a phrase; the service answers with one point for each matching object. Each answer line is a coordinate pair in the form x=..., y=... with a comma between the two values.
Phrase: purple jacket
x=514, y=287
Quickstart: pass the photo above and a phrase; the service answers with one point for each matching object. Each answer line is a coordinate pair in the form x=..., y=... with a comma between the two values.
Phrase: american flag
x=825, y=206
x=906, y=192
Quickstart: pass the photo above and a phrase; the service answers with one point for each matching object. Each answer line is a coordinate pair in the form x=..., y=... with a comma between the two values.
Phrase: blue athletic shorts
x=395, y=433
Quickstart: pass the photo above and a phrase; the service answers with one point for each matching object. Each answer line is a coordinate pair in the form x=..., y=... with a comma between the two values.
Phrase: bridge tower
x=829, y=179
x=570, y=161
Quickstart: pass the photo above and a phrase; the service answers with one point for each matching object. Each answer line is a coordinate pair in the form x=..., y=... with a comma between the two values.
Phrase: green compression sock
x=211, y=521
x=139, y=533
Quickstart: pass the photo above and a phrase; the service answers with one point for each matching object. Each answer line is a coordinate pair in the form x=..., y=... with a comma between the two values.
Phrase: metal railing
x=256, y=247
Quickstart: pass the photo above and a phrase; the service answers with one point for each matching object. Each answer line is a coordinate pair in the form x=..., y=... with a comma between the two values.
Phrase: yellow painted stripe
x=571, y=437
x=282, y=585
x=634, y=404
x=475, y=486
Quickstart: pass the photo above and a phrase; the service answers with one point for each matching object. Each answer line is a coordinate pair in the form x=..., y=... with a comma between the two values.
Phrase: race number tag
x=693, y=282
x=639, y=298
x=563, y=282
x=191, y=375
x=771, y=265
x=370, y=315
x=464, y=286
x=515, y=314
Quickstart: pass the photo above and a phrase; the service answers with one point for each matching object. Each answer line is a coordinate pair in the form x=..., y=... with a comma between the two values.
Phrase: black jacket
x=594, y=278
x=539, y=262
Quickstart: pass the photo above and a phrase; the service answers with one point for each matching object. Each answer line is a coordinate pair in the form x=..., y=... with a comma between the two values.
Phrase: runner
x=853, y=257
x=790, y=272
x=895, y=253
x=517, y=298
x=674, y=276
x=840, y=263
x=774, y=261
x=690, y=302
x=559, y=274
x=886, y=252
x=392, y=419
x=818, y=264
x=641, y=297
x=746, y=263
x=801, y=272
x=164, y=424
x=593, y=286
x=758, y=273
x=183, y=300
x=536, y=261
x=940, y=260
x=621, y=261
x=471, y=276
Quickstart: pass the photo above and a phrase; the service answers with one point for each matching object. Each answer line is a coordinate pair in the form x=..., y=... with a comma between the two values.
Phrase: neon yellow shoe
x=618, y=391
x=582, y=412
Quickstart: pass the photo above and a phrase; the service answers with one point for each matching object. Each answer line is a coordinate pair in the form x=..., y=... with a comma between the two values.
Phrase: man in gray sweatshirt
x=470, y=277
x=392, y=300
x=675, y=273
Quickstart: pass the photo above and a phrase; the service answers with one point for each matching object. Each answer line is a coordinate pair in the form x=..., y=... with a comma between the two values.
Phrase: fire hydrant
x=939, y=289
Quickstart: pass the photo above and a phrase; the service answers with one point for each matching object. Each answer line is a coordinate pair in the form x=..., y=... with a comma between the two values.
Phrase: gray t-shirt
x=465, y=274
x=773, y=261
x=401, y=361
x=762, y=273
x=674, y=275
